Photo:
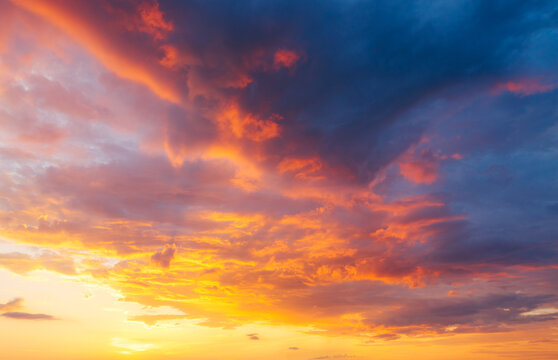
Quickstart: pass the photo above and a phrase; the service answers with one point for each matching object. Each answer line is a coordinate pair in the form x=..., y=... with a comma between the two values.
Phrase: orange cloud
x=524, y=87
x=23, y=263
x=153, y=21
x=12, y=305
x=285, y=58
x=111, y=54
x=302, y=168
x=247, y=125
x=419, y=172
x=421, y=169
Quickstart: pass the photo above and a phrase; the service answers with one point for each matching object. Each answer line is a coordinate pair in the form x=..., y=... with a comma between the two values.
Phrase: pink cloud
x=525, y=87
x=285, y=58
x=164, y=257
x=422, y=168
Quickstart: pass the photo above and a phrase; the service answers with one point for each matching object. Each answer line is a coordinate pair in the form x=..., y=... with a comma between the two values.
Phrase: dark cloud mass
x=368, y=64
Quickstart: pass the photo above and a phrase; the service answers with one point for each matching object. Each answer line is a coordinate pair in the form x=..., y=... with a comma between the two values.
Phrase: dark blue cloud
x=366, y=64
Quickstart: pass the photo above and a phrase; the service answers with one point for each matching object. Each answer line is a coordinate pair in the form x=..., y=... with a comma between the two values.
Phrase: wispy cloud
x=27, y=316
x=12, y=310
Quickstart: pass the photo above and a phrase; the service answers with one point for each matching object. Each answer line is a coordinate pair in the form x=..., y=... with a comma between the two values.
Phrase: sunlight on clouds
x=176, y=175
x=131, y=346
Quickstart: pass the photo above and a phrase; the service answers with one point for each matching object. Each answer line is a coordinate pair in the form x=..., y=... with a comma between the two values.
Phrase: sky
x=305, y=180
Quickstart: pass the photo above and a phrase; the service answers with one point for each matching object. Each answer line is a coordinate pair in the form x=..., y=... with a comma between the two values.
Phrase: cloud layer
x=379, y=169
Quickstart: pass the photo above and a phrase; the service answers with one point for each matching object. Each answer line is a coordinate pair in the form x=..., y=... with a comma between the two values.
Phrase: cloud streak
x=12, y=310
x=27, y=316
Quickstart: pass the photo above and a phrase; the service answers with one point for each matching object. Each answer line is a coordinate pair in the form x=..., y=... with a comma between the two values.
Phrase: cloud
x=24, y=263
x=525, y=87
x=387, y=337
x=152, y=21
x=164, y=257
x=79, y=20
x=423, y=169
x=285, y=58
x=155, y=319
x=27, y=316
x=347, y=170
x=12, y=305
x=130, y=345
x=469, y=314
x=8, y=310
x=253, y=336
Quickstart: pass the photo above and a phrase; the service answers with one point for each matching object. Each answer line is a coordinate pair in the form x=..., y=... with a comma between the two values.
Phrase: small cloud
x=131, y=345
x=293, y=348
x=422, y=168
x=524, y=87
x=27, y=316
x=12, y=305
x=21, y=263
x=164, y=257
x=387, y=337
x=151, y=21
x=284, y=58
x=539, y=312
x=253, y=336
x=151, y=320
x=10, y=308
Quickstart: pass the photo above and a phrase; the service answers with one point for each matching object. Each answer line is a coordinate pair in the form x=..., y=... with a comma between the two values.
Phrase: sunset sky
x=261, y=179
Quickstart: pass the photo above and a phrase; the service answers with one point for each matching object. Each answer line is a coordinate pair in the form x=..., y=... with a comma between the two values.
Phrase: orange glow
x=418, y=173
x=285, y=58
x=302, y=168
x=86, y=35
x=525, y=87
x=153, y=22
x=248, y=126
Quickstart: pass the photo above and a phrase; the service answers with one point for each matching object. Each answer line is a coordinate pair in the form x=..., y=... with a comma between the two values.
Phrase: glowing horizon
x=278, y=179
